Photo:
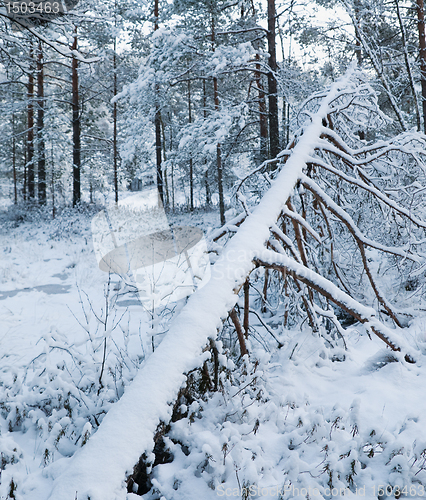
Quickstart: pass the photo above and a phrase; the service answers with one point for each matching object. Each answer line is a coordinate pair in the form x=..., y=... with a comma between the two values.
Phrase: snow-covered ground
x=339, y=428
x=53, y=326
x=303, y=416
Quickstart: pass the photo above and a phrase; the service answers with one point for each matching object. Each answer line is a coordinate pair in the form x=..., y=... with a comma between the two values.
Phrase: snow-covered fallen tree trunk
x=99, y=470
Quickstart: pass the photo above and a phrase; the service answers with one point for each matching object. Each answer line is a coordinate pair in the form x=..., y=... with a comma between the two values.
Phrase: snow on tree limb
x=59, y=47
x=366, y=315
x=372, y=189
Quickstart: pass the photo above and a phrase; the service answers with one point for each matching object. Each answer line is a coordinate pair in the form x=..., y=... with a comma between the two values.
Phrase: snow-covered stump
x=98, y=471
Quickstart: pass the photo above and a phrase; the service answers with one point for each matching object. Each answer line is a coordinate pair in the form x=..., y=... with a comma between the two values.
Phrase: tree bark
x=234, y=317
x=158, y=125
x=274, y=134
x=164, y=174
x=206, y=173
x=76, y=128
x=114, y=117
x=218, y=147
x=358, y=47
x=158, y=154
x=52, y=185
x=246, y=307
x=191, y=173
x=422, y=55
x=30, y=133
x=285, y=106
x=172, y=174
x=263, y=116
x=407, y=64
x=24, y=187
x=41, y=150
x=15, y=190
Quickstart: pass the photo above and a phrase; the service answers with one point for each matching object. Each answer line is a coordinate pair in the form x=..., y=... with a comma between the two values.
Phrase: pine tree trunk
x=114, y=117
x=407, y=64
x=358, y=47
x=285, y=106
x=24, y=188
x=166, y=187
x=274, y=134
x=422, y=55
x=218, y=147
x=206, y=173
x=30, y=133
x=246, y=307
x=173, y=188
x=15, y=190
x=191, y=173
x=158, y=154
x=40, y=129
x=158, y=126
x=76, y=128
x=172, y=175
x=164, y=174
x=52, y=183
x=263, y=117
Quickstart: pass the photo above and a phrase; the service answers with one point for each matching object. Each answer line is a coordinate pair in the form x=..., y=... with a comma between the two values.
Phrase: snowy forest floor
x=302, y=416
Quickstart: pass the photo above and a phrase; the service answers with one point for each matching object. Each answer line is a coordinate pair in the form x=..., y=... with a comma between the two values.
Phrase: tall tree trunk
x=24, y=187
x=114, y=117
x=40, y=129
x=207, y=187
x=219, y=163
x=76, y=128
x=52, y=183
x=158, y=153
x=191, y=173
x=206, y=173
x=164, y=174
x=263, y=117
x=172, y=174
x=422, y=55
x=407, y=64
x=30, y=133
x=15, y=190
x=158, y=125
x=274, y=134
x=285, y=106
x=173, y=187
x=358, y=46
x=218, y=147
x=166, y=188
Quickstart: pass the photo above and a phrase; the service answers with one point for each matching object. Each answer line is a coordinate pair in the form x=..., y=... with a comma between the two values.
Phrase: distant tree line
x=196, y=91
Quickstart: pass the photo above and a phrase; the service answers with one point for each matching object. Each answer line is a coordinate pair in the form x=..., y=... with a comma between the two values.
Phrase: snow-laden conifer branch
x=59, y=47
x=325, y=287
x=347, y=220
x=229, y=227
x=300, y=220
x=371, y=189
x=363, y=156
